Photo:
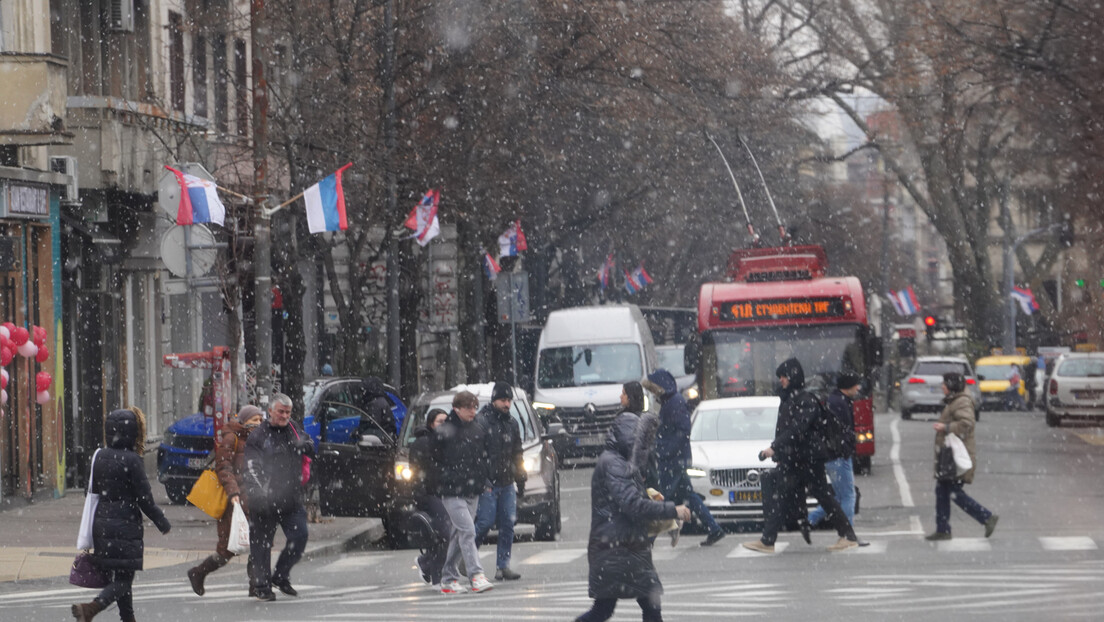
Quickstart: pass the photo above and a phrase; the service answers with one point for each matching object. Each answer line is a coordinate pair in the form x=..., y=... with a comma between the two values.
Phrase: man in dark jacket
x=377, y=410
x=673, y=450
x=619, y=550
x=460, y=448
x=506, y=481
x=427, y=498
x=797, y=450
x=273, y=481
x=839, y=445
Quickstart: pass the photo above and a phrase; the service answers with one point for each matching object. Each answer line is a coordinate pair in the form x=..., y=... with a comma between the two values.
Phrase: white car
x=1076, y=388
x=726, y=436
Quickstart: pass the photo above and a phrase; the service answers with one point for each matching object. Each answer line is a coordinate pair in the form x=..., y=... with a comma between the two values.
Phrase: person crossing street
x=506, y=477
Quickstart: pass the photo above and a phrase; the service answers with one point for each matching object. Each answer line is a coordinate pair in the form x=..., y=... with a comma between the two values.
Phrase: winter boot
x=86, y=611
x=199, y=573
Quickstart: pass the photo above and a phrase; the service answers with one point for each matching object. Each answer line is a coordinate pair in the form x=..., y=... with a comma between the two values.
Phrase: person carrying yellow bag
x=229, y=464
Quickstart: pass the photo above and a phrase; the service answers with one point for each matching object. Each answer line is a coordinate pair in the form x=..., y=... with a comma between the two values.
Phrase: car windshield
x=938, y=368
x=671, y=360
x=1082, y=368
x=416, y=417
x=578, y=366
x=995, y=372
x=734, y=423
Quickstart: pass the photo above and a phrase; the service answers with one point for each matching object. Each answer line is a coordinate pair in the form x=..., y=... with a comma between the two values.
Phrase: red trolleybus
x=779, y=304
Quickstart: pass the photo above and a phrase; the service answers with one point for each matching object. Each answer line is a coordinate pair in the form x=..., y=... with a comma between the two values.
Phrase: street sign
x=180, y=241
x=513, y=297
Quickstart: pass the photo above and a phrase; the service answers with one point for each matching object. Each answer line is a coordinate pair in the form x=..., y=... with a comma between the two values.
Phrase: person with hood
x=273, y=479
x=957, y=418
x=459, y=447
x=427, y=498
x=839, y=446
x=506, y=481
x=377, y=410
x=619, y=550
x=229, y=464
x=119, y=477
x=800, y=457
x=673, y=451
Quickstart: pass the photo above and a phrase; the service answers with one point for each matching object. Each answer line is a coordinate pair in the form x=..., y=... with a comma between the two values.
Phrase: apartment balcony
x=32, y=108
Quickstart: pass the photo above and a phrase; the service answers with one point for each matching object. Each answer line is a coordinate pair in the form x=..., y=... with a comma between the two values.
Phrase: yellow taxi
x=1002, y=381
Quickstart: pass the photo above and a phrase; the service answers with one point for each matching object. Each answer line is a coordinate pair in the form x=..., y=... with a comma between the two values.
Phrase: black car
x=539, y=506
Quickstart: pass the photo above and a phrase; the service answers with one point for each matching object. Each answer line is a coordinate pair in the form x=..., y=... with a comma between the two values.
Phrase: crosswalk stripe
x=964, y=545
x=556, y=556
x=354, y=562
x=740, y=551
x=1072, y=543
x=876, y=547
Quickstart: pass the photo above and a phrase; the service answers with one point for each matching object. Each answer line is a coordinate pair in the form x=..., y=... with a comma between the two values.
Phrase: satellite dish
x=168, y=187
x=174, y=250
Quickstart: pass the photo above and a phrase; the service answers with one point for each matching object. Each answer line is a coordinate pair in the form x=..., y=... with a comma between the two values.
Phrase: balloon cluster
x=28, y=344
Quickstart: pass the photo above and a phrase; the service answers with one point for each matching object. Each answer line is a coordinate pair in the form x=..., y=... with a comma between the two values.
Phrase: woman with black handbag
x=119, y=477
x=957, y=418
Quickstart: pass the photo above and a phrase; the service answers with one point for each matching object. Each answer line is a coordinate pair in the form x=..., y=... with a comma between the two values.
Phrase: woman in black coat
x=427, y=499
x=119, y=477
x=620, y=551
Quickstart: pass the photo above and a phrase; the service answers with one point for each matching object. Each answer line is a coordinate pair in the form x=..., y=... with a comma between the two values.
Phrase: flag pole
x=248, y=200
x=269, y=212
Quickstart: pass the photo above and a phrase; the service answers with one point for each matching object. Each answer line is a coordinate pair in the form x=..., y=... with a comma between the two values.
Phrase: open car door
x=354, y=469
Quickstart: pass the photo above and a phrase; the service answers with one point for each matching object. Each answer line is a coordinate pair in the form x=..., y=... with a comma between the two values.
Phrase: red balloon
x=39, y=336
x=6, y=356
x=3, y=382
x=43, y=355
x=19, y=335
x=6, y=343
x=43, y=380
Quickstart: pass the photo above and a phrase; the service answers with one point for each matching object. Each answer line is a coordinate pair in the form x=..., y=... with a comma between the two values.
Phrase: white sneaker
x=481, y=584
x=453, y=587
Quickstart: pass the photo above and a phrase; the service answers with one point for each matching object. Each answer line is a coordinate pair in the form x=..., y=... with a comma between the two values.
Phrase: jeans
x=119, y=591
x=842, y=474
x=674, y=483
x=262, y=530
x=791, y=482
x=602, y=610
x=943, y=492
x=498, y=505
x=461, y=511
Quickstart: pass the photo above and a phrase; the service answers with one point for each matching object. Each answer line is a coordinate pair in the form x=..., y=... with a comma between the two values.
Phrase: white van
x=585, y=355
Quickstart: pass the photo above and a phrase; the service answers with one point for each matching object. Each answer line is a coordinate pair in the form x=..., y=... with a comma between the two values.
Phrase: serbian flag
x=630, y=283
x=511, y=241
x=896, y=302
x=199, y=201
x=1026, y=299
x=605, y=271
x=641, y=278
x=490, y=266
x=909, y=303
x=423, y=218
x=326, y=204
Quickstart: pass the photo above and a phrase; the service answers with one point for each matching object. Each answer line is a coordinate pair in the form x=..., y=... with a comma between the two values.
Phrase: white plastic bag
x=91, y=500
x=239, y=531
x=961, y=455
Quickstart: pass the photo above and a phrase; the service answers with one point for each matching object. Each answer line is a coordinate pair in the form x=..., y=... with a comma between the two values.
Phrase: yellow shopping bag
x=208, y=494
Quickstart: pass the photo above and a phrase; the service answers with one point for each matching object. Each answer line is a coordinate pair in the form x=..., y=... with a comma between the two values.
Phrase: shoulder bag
x=208, y=494
x=91, y=500
x=85, y=572
x=945, y=470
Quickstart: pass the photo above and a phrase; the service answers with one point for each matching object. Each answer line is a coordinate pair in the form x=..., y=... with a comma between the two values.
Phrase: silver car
x=921, y=389
x=1076, y=388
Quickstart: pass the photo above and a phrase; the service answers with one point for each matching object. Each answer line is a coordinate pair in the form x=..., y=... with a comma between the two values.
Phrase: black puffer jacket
x=460, y=448
x=377, y=409
x=842, y=410
x=119, y=477
x=619, y=550
x=274, y=466
x=423, y=465
x=673, y=437
x=794, y=439
x=505, y=460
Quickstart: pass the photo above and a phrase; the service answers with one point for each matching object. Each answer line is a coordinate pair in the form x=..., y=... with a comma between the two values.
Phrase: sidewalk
x=38, y=540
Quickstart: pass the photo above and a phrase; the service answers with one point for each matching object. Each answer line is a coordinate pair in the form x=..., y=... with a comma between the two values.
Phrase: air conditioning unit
x=67, y=165
x=120, y=16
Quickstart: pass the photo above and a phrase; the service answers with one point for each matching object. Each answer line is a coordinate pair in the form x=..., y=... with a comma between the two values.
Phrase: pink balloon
x=4, y=332
x=42, y=397
x=28, y=349
x=43, y=355
x=19, y=336
x=3, y=397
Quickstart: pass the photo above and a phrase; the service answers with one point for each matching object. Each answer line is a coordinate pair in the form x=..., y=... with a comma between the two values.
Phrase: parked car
x=726, y=436
x=922, y=388
x=996, y=380
x=539, y=505
x=1076, y=388
x=185, y=449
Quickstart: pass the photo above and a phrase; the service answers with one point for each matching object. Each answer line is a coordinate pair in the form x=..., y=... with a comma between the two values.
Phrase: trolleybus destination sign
x=784, y=309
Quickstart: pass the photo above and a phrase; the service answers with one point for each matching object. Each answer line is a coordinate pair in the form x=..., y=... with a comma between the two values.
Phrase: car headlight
x=403, y=472
x=532, y=464
x=168, y=437
x=544, y=406
x=647, y=403
x=696, y=472
x=691, y=392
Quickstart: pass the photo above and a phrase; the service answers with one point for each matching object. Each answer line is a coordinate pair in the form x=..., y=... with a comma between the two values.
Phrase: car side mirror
x=371, y=440
x=553, y=431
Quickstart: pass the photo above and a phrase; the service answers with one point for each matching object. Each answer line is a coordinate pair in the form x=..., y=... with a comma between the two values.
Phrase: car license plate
x=197, y=463
x=735, y=496
x=1087, y=395
x=589, y=441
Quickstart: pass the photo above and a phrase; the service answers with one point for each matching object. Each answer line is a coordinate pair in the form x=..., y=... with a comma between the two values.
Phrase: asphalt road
x=1043, y=563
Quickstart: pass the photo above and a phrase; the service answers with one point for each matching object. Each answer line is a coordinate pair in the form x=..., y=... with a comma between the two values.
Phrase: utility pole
x=886, y=375
x=394, y=342
x=262, y=242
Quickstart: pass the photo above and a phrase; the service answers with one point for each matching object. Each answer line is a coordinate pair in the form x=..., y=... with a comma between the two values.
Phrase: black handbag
x=945, y=470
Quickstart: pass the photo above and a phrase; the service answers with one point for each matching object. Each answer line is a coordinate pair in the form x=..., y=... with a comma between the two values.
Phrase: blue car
x=333, y=403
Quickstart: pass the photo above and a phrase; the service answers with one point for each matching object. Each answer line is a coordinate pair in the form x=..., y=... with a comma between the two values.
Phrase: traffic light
x=1065, y=232
x=931, y=324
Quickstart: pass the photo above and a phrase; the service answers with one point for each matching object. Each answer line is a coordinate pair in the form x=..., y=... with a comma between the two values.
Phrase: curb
x=367, y=532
